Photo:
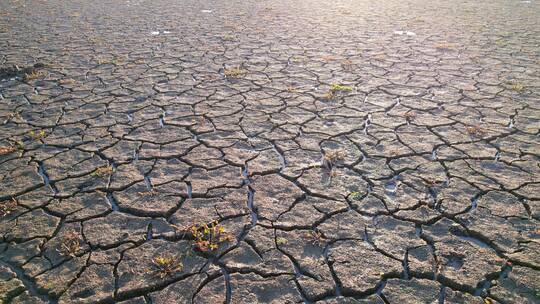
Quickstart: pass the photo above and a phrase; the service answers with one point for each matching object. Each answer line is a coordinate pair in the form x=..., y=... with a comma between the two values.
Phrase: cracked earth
x=269, y=151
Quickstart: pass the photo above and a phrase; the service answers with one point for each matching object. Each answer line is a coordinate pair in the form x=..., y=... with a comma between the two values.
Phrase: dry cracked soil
x=277, y=151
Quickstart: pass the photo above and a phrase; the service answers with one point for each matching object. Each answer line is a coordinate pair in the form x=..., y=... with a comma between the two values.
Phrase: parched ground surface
x=350, y=151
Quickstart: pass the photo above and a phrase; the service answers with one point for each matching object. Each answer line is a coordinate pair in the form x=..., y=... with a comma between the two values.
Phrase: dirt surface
x=277, y=151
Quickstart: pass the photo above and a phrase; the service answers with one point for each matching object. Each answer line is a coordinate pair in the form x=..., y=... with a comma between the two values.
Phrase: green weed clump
x=335, y=90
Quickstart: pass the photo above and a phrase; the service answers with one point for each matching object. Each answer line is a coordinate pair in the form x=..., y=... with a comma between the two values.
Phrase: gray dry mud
x=357, y=151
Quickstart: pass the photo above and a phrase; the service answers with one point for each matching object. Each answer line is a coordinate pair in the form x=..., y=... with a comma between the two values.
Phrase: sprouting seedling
x=335, y=90
x=208, y=237
x=355, y=196
x=37, y=135
x=70, y=245
x=165, y=265
x=517, y=87
x=281, y=241
x=8, y=206
x=228, y=37
x=340, y=88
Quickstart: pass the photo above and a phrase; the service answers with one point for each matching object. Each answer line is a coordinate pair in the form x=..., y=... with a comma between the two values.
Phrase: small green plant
x=281, y=241
x=102, y=171
x=208, y=237
x=517, y=87
x=20, y=144
x=335, y=90
x=340, y=88
x=70, y=245
x=355, y=195
x=234, y=72
x=37, y=135
x=7, y=206
x=165, y=265
x=228, y=37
